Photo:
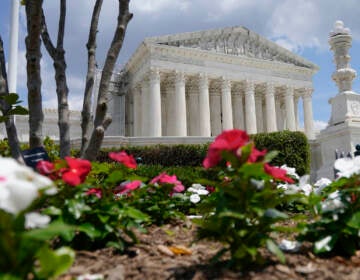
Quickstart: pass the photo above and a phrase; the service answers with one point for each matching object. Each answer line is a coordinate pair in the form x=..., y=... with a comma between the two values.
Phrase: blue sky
x=300, y=25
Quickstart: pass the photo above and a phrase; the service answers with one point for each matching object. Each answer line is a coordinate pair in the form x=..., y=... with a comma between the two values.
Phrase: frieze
x=235, y=41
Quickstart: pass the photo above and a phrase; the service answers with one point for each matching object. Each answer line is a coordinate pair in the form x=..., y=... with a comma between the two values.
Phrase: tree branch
x=86, y=120
x=46, y=37
x=102, y=119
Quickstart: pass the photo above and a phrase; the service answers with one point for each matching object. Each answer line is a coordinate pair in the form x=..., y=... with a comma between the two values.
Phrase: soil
x=169, y=252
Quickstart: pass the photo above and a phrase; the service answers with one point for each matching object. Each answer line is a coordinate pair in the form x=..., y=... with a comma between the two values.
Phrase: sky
x=302, y=26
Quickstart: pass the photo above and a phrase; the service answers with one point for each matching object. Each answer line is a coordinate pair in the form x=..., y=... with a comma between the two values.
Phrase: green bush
x=293, y=148
x=165, y=155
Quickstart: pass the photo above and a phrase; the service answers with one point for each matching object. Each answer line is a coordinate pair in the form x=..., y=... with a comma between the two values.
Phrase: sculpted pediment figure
x=238, y=41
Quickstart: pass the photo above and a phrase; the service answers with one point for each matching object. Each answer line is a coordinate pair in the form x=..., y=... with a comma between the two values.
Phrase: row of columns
x=147, y=118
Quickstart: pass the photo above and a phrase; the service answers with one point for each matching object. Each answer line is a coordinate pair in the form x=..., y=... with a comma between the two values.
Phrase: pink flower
x=164, y=178
x=94, y=191
x=127, y=187
x=277, y=173
x=256, y=155
x=45, y=167
x=76, y=172
x=228, y=140
x=124, y=158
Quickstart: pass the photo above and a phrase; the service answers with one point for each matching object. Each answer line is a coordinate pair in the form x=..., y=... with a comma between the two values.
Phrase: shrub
x=293, y=149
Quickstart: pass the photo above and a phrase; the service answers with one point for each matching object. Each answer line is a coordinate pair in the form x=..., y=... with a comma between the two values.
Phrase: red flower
x=277, y=173
x=164, y=178
x=228, y=140
x=210, y=189
x=124, y=158
x=256, y=155
x=45, y=167
x=76, y=172
x=127, y=187
x=94, y=191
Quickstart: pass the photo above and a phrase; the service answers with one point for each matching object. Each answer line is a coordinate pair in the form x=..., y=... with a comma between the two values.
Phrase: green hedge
x=165, y=155
x=293, y=148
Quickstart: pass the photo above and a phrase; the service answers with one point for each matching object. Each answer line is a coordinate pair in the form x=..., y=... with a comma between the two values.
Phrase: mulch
x=169, y=252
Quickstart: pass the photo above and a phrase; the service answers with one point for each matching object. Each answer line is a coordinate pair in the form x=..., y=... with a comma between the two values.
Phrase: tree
x=102, y=118
x=36, y=27
x=87, y=119
x=5, y=108
x=58, y=55
x=33, y=10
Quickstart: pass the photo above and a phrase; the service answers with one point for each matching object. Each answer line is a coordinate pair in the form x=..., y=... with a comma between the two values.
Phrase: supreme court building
x=200, y=83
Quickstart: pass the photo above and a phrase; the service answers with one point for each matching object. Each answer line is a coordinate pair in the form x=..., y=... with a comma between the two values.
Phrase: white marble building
x=200, y=83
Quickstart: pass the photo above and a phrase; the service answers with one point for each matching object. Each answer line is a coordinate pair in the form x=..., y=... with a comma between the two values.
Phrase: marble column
x=259, y=113
x=308, y=114
x=289, y=107
x=180, y=125
x=271, y=123
x=250, y=116
x=193, y=109
x=137, y=111
x=238, y=109
x=167, y=104
x=296, y=111
x=280, y=116
x=226, y=107
x=215, y=111
x=204, y=106
x=144, y=108
x=154, y=104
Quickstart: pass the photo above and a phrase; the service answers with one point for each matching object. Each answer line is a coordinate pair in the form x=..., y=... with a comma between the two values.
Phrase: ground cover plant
x=238, y=200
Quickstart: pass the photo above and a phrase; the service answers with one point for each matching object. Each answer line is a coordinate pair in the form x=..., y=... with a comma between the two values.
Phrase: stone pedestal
x=343, y=131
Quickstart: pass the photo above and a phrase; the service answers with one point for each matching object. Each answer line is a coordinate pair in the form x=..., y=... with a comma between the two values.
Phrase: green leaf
x=18, y=110
x=270, y=155
x=11, y=98
x=115, y=177
x=273, y=248
x=89, y=230
x=354, y=222
x=273, y=213
x=231, y=214
x=136, y=214
x=57, y=228
x=54, y=263
x=77, y=208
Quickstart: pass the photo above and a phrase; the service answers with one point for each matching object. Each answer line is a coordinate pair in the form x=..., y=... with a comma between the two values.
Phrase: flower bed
x=246, y=206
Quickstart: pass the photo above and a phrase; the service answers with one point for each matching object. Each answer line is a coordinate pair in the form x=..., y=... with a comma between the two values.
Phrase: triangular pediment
x=238, y=41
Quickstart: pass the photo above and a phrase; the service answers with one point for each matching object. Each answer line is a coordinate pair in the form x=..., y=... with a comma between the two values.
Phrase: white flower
x=290, y=171
x=347, y=166
x=20, y=185
x=289, y=246
x=90, y=277
x=323, y=244
x=332, y=203
x=198, y=189
x=36, y=220
x=194, y=198
x=302, y=186
x=321, y=184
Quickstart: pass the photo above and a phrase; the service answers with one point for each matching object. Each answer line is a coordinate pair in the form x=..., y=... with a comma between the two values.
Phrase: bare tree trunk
x=86, y=120
x=33, y=56
x=4, y=107
x=102, y=119
x=58, y=56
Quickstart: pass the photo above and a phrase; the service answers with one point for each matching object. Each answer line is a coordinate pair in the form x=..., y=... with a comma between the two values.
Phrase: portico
x=200, y=83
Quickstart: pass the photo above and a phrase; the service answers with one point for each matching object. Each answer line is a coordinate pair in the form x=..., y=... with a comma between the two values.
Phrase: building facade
x=200, y=83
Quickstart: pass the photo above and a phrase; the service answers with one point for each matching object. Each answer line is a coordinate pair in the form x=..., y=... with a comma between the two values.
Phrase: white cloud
x=296, y=20
x=319, y=125
x=151, y=6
